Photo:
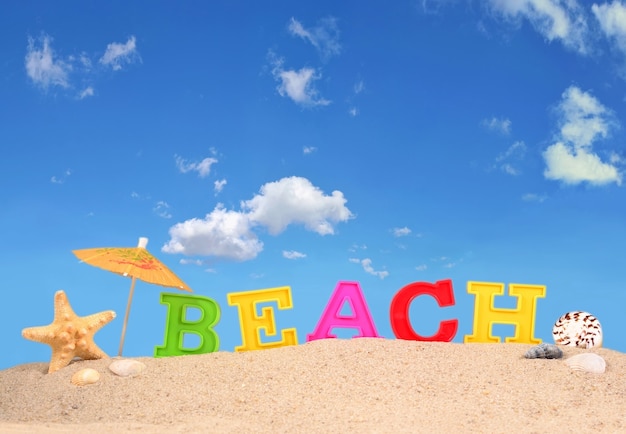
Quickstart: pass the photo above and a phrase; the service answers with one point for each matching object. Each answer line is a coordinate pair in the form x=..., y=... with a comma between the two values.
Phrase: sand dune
x=359, y=385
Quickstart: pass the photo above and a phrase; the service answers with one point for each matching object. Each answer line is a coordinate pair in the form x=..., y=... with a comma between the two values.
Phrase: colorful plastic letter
x=176, y=325
x=251, y=323
x=399, y=310
x=360, y=317
x=522, y=317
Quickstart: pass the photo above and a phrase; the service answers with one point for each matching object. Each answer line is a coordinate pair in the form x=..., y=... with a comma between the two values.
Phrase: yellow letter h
x=522, y=317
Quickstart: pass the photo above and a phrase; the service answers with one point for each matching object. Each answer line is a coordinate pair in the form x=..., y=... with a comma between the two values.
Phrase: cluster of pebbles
x=574, y=329
x=120, y=367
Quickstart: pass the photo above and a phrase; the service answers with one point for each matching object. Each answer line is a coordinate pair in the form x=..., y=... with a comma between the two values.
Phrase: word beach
x=252, y=323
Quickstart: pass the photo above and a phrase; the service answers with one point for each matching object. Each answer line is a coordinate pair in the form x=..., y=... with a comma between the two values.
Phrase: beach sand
x=362, y=385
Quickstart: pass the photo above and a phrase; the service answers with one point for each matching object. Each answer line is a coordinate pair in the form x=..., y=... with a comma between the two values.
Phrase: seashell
x=85, y=376
x=578, y=329
x=544, y=351
x=587, y=362
x=127, y=367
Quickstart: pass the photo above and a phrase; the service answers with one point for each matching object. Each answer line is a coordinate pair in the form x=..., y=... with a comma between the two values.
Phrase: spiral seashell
x=577, y=329
x=544, y=351
x=85, y=376
x=127, y=367
x=587, y=362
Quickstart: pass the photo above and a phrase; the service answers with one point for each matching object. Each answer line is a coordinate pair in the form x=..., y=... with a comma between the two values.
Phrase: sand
x=362, y=385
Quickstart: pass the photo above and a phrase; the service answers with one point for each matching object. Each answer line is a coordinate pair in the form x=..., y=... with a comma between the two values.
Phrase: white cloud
x=514, y=152
x=162, y=209
x=118, y=54
x=434, y=7
x=573, y=166
x=197, y=262
x=516, y=149
x=509, y=169
x=85, y=61
x=356, y=247
x=42, y=65
x=203, y=167
x=359, y=87
x=571, y=159
x=447, y=262
x=612, y=19
x=228, y=233
x=501, y=125
x=308, y=149
x=401, y=232
x=295, y=200
x=562, y=20
x=47, y=70
x=297, y=85
x=61, y=179
x=221, y=233
x=138, y=196
x=422, y=267
x=367, y=266
x=219, y=185
x=585, y=119
x=324, y=37
x=532, y=197
x=186, y=261
x=88, y=91
x=292, y=254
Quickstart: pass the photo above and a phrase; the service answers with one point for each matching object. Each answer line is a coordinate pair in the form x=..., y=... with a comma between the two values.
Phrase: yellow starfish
x=69, y=335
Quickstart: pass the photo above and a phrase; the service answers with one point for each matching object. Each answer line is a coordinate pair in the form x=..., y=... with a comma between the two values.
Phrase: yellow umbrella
x=133, y=262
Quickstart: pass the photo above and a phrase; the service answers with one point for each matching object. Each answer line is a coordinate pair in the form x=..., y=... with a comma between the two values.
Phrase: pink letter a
x=359, y=319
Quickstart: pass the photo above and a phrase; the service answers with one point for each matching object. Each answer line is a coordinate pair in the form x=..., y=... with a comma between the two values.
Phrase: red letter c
x=399, y=310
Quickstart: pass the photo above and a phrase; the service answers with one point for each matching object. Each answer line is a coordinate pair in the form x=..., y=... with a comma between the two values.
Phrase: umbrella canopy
x=133, y=262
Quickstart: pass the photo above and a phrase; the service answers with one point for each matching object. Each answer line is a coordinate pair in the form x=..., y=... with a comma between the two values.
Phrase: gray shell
x=544, y=351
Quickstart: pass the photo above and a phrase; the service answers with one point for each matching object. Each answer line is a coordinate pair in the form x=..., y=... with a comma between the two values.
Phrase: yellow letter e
x=251, y=323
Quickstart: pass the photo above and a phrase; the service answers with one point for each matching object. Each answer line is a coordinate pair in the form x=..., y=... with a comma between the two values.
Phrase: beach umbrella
x=133, y=262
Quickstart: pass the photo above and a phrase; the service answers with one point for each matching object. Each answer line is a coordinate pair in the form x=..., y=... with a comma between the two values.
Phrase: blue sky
x=268, y=144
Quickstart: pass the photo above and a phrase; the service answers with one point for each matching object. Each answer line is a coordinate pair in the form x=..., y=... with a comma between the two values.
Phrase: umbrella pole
x=130, y=299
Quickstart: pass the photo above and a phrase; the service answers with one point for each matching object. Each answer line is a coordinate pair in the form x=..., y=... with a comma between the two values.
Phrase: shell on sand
x=577, y=329
x=587, y=362
x=127, y=367
x=85, y=376
x=544, y=351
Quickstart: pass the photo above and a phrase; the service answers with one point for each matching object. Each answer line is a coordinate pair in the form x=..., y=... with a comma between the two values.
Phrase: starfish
x=70, y=335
